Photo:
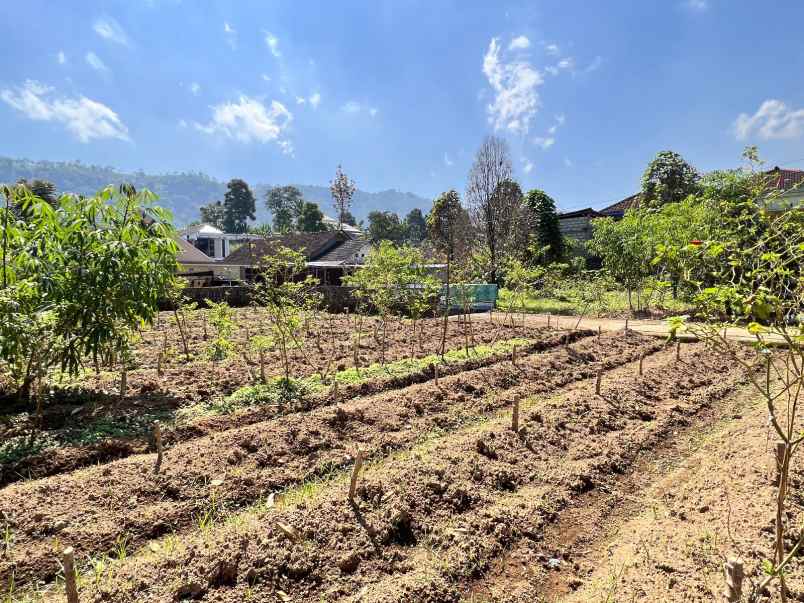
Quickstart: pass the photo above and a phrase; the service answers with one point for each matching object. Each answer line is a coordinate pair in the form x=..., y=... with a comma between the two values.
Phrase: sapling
x=262, y=343
x=221, y=317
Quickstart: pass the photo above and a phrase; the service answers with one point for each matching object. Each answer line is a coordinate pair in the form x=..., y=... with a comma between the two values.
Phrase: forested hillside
x=183, y=193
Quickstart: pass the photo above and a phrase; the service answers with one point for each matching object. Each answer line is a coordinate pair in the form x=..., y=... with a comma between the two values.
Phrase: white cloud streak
x=315, y=100
x=773, y=120
x=250, y=120
x=195, y=88
x=273, y=44
x=109, y=29
x=95, y=62
x=515, y=84
x=231, y=34
x=519, y=43
x=447, y=161
x=61, y=57
x=85, y=118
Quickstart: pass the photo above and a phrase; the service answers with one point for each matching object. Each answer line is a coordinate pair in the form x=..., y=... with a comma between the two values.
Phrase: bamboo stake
x=435, y=375
x=641, y=360
x=599, y=379
x=262, y=366
x=734, y=580
x=355, y=472
x=158, y=443
x=678, y=350
x=599, y=331
x=159, y=360
x=515, y=417
x=70, y=586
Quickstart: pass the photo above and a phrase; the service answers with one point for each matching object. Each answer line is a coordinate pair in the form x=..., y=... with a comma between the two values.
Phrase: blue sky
x=402, y=93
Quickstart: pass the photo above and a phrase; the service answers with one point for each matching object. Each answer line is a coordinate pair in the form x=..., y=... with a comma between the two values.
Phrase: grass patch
x=616, y=303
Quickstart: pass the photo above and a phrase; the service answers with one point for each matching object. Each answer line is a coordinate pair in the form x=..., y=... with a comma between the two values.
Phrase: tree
x=415, y=226
x=348, y=218
x=385, y=226
x=213, y=214
x=310, y=219
x=449, y=229
x=77, y=282
x=342, y=188
x=668, y=179
x=286, y=205
x=491, y=204
x=239, y=206
x=544, y=219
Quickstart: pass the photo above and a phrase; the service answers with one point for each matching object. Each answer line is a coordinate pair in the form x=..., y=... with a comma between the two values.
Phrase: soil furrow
x=453, y=500
x=93, y=508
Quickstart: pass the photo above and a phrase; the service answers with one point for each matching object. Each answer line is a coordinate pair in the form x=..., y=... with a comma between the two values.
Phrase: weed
x=121, y=547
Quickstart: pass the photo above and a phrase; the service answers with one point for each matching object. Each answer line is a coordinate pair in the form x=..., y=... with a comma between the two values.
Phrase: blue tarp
x=480, y=297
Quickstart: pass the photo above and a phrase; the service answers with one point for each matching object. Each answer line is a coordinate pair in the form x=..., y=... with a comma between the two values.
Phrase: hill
x=183, y=193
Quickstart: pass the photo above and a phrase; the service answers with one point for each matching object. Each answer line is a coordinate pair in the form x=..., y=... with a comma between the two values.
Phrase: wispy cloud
x=85, y=118
x=549, y=139
x=698, y=6
x=315, y=100
x=195, y=88
x=351, y=107
x=300, y=100
x=230, y=33
x=273, y=44
x=373, y=111
x=109, y=29
x=95, y=62
x=515, y=84
x=552, y=49
x=545, y=142
x=248, y=120
x=773, y=120
x=61, y=57
x=266, y=78
x=527, y=166
x=519, y=43
x=594, y=65
x=447, y=161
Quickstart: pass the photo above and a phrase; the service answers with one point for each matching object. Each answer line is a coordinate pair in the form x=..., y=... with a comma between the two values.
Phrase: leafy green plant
x=221, y=317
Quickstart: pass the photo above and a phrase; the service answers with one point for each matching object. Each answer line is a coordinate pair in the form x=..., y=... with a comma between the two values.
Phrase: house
x=578, y=224
x=211, y=240
x=787, y=189
x=332, y=224
x=329, y=255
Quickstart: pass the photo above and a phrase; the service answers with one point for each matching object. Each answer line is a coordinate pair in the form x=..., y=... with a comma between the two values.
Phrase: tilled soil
x=426, y=523
x=93, y=509
x=201, y=381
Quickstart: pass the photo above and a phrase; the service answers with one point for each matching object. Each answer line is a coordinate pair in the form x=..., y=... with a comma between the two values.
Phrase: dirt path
x=655, y=328
x=429, y=520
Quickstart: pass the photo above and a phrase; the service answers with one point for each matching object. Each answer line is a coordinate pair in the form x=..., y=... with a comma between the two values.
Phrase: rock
x=348, y=563
x=554, y=563
x=703, y=508
x=192, y=589
x=58, y=526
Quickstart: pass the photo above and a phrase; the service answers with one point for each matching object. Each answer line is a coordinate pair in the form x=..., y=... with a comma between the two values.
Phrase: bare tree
x=492, y=205
x=342, y=188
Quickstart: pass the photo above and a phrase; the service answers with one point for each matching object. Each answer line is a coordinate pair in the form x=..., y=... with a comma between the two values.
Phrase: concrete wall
x=577, y=228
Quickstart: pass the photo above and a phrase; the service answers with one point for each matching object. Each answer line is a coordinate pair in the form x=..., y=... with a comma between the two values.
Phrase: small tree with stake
x=287, y=296
x=753, y=277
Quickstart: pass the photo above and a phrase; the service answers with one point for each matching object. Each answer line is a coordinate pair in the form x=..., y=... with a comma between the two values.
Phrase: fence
x=335, y=299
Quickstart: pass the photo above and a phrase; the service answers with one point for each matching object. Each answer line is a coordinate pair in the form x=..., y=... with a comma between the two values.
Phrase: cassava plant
x=221, y=317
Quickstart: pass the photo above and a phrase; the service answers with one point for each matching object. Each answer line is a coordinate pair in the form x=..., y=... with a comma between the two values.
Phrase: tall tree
x=348, y=218
x=449, y=228
x=212, y=213
x=492, y=207
x=286, y=205
x=342, y=189
x=668, y=179
x=310, y=219
x=546, y=234
x=385, y=226
x=415, y=226
x=239, y=206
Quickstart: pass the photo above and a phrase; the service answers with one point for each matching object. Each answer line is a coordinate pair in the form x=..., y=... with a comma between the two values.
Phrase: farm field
x=252, y=503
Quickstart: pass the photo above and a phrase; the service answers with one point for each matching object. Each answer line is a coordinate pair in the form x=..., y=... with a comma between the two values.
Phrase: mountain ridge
x=184, y=192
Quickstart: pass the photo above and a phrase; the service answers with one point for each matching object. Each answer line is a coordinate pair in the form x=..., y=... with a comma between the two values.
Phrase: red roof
x=785, y=179
x=618, y=209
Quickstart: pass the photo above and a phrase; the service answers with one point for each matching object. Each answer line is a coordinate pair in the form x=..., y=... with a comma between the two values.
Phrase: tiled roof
x=312, y=244
x=189, y=254
x=345, y=252
x=618, y=209
x=580, y=213
x=786, y=179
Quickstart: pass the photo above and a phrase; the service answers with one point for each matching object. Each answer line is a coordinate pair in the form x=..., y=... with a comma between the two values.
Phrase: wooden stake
x=355, y=472
x=70, y=586
x=262, y=367
x=599, y=331
x=123, y=380
x=734, y=580
x=515, y=417
x=205, y=326
x=780, y=450
x=599, y=379
x=334, y=389
x=548, y=320
x=626, y=324
x=513, y=355
x=435, y=374
x=158, y=443
x=159, y=360
x=678, y=350
x=641, y=360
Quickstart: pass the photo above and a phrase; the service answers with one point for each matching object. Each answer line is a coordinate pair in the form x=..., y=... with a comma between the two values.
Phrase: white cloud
x=249, y=120
x=566, y=63
x=528, y=165
x=773, y=119
x=182, y=123
x=351, y=107
x=83, y=117
x=94, y=61
x=697, y=5
x=519, y=43
x=373, y=111
x=514, y=83
x=273, y=43
x=267, y=78
x=315, y=100
x=447, y=161
x=230, y=33
x=109, y=29
x=552, y=49
x=300, y=100
x=545, y=142
x=61, y=57
x=195, y=88
x=594, y=65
